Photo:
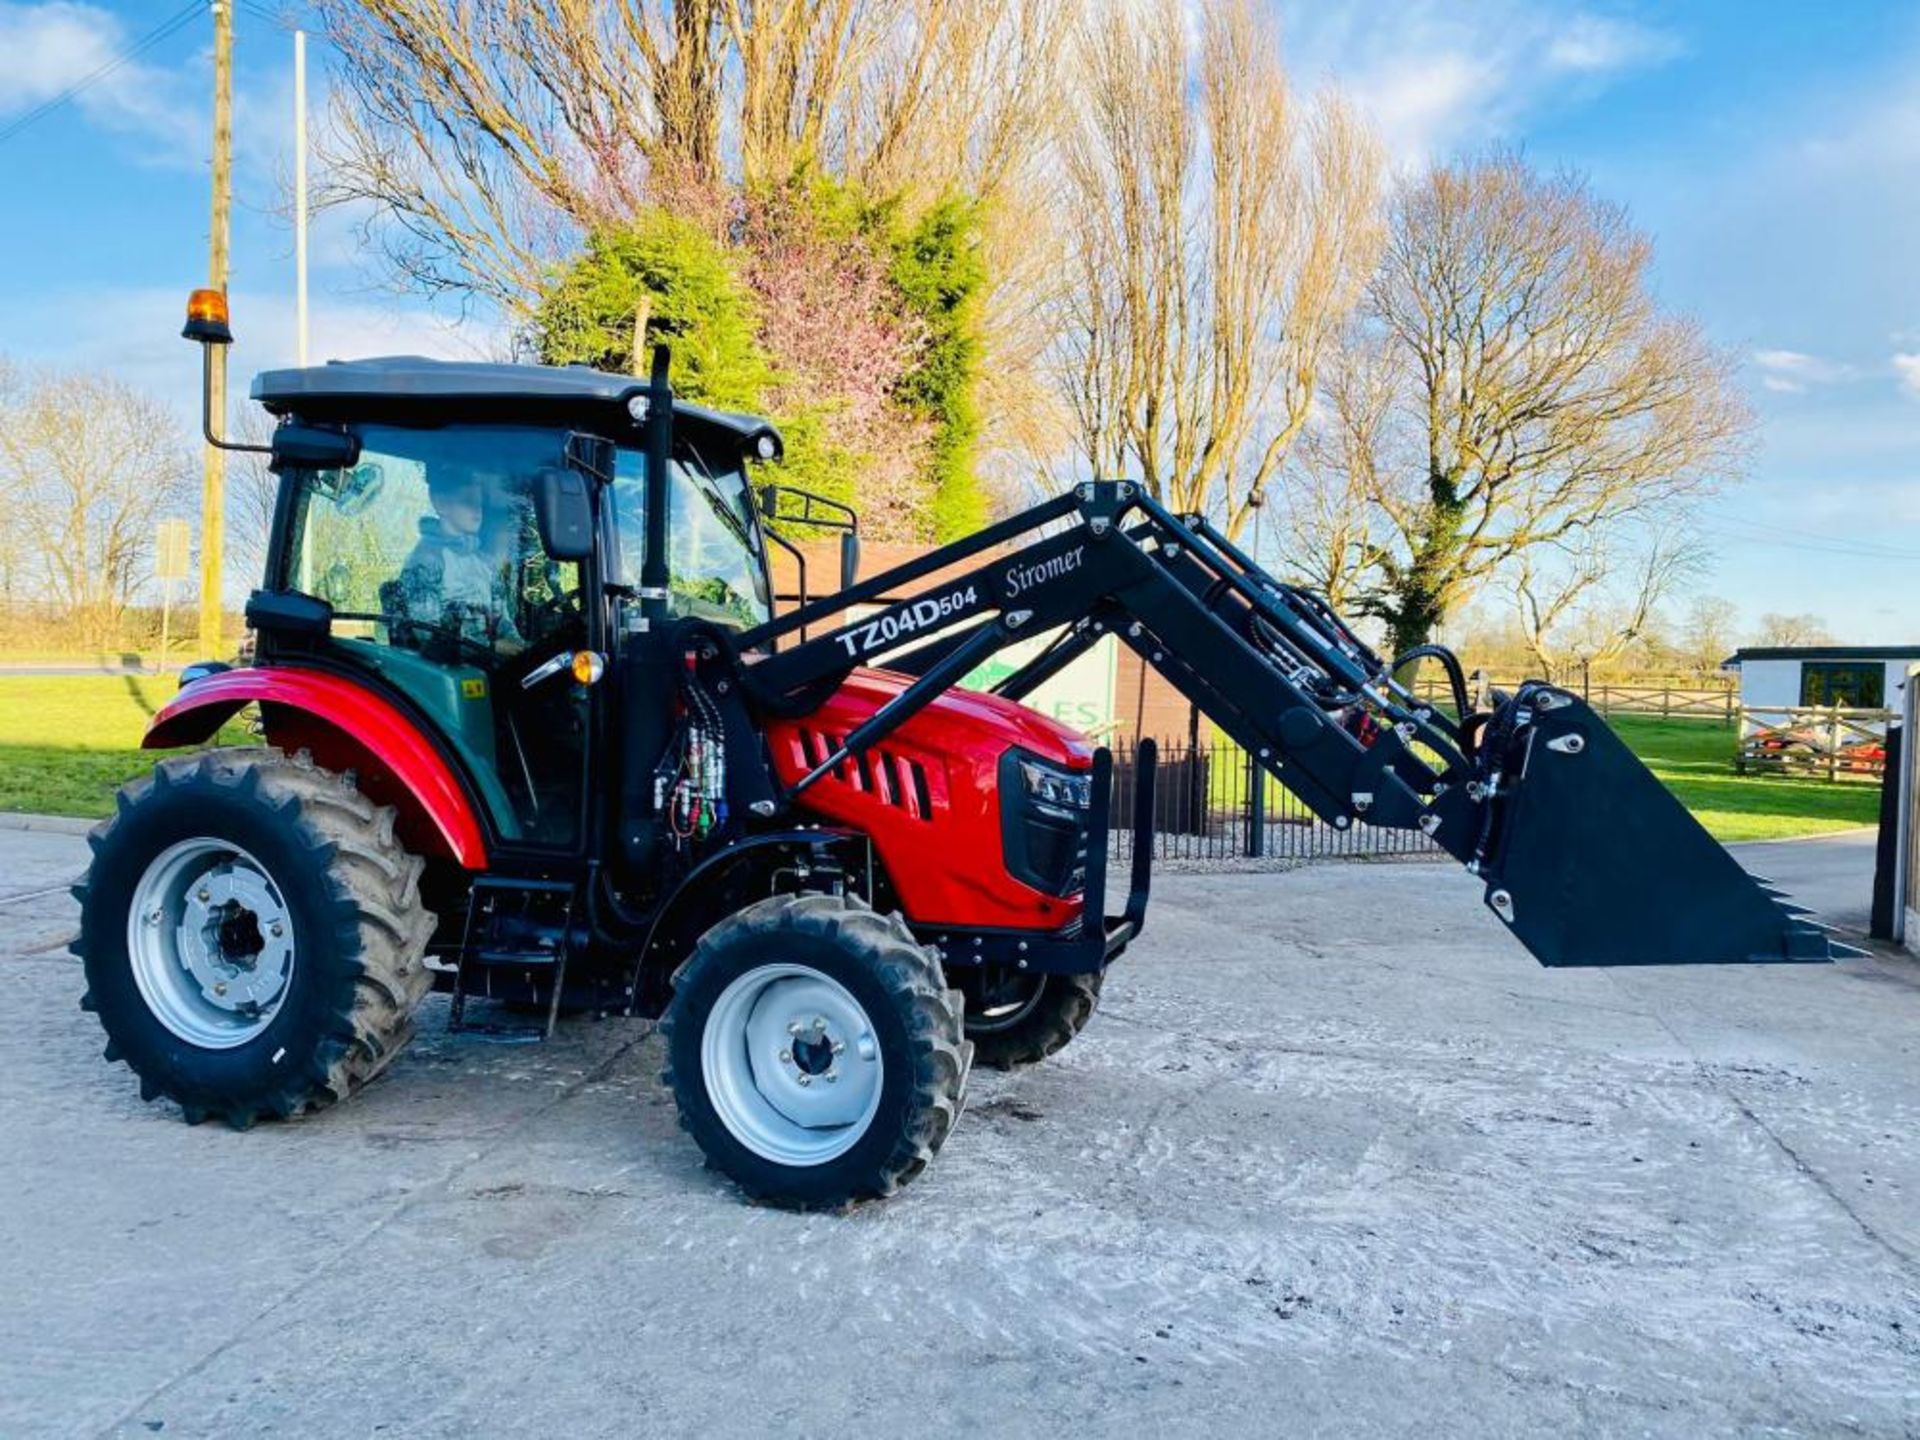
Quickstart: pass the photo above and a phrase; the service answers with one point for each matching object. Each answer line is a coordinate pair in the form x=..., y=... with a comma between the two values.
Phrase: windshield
x=714, y=550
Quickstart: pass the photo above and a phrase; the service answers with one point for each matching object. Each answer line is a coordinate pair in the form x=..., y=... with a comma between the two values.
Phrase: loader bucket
x=1598, y=864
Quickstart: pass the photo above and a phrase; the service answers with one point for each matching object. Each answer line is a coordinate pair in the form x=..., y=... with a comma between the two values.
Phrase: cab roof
x=383, y=385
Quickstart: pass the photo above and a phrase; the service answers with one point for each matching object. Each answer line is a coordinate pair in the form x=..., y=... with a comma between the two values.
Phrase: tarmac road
x=1334, y=1158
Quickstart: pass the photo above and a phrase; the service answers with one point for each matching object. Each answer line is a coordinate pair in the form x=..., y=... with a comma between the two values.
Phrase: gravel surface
x=1335, y=1157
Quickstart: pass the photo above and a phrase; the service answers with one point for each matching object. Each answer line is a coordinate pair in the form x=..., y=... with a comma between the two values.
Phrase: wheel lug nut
x=786, y=1057
x=833, y=1076
x=219, y=987
x=205, y=895
x=277, y=929
x=839, y=1047
x=819, y=1022
x=793, y=1028
x=805, y=1079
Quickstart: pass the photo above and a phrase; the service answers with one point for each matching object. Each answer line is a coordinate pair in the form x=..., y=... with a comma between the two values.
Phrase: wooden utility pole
x=213, y=489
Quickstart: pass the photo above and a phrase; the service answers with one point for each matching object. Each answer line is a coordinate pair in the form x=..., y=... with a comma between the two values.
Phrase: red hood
x=993, y=714
x=928, y=796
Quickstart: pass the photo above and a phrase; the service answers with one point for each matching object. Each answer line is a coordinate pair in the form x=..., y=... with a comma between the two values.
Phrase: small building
x=1863, y=677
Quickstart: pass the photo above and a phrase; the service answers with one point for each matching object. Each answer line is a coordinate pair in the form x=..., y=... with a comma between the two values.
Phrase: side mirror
x=287, y=612
x=564, y=512
x=849, y=558
x=312, y=447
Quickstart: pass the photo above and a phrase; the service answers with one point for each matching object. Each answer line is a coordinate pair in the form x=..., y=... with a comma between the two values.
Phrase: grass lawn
x=1695, y=760
x=67, y=742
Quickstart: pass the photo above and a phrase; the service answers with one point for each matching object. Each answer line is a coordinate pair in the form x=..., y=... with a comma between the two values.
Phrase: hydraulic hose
x=1456, y=677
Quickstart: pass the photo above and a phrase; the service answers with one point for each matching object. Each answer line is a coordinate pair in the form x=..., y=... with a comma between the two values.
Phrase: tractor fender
x=346, y=727
x=705, y=894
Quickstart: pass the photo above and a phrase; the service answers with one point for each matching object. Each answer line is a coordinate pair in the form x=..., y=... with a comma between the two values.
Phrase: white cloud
x=1598, y=44
x=1907, y=367
x=47, y=48
x=134, y=333
x=1437, y=76
x=1792, y=372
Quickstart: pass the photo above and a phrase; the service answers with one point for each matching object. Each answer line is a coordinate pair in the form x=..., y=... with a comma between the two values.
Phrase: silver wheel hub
x=792, y=1064
x=211, y=943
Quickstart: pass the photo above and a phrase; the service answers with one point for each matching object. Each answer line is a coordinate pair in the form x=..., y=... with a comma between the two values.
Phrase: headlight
x=1050, y=785
x=1044, y=812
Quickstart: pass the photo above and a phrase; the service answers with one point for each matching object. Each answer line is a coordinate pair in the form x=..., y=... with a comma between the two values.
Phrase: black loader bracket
x=1584, y=855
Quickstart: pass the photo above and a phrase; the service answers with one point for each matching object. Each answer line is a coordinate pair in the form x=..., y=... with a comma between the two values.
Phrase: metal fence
x=1210, y=808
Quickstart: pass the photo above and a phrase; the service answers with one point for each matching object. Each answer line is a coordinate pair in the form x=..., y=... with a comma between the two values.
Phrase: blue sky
x=1772, y=149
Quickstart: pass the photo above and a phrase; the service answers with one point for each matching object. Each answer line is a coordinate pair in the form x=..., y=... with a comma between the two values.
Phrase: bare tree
x=1583, y=602
x=479, y=139
x=16, y=541
x=1217, y=233
x=1778, y=629
x=1539, y=393
x=1708, y=632
x=88, y=464
x=1333, y=536
x=252, y=492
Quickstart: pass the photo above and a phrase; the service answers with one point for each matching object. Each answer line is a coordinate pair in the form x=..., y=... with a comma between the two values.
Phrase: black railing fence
x=1209, y=807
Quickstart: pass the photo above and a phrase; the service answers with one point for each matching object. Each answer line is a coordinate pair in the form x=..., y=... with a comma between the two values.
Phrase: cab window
x=717, y=570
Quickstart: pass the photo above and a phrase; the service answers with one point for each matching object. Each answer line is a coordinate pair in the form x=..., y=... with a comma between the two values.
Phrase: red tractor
x=536, y=736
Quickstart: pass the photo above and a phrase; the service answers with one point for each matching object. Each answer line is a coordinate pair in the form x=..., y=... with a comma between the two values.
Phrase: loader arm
x=1584, y=855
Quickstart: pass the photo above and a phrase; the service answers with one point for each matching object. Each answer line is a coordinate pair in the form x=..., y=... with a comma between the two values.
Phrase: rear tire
x=1022, y=1019
x=252, y=933
x=815, y=1053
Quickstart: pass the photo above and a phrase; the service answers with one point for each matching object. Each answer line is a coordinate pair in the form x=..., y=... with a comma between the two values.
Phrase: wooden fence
x=1706, y=702
x=1827, y=741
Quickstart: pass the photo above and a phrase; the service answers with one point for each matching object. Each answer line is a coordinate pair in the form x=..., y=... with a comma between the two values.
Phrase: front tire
x=815, y=1052
x=1016, y=1019
x=252, y=933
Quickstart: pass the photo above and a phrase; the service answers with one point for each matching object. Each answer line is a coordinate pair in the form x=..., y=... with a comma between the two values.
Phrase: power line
x=1760, y=533
x=139, y=47
x=283, y=19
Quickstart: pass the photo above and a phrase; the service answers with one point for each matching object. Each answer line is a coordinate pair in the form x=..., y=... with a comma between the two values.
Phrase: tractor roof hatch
x=390, y=383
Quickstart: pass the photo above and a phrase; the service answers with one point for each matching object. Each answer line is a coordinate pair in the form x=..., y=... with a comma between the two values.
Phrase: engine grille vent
x=891, y=778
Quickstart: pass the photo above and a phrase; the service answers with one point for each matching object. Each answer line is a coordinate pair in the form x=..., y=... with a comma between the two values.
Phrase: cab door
x=430, y=555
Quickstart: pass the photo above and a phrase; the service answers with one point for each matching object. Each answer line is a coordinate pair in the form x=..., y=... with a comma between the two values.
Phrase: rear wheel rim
x=792, y=1064
x=210, y=941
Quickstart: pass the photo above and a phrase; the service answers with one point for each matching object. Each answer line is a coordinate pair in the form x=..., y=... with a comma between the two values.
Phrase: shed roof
x=1822, y=652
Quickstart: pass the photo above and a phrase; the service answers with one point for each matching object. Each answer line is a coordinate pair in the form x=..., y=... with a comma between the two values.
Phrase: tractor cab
x=451, y=552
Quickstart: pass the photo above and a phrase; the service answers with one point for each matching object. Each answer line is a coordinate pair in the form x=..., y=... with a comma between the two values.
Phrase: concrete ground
x=1335, y=1157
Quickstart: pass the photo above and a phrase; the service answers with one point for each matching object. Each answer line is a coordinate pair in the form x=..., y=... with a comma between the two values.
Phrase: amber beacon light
x=207, y=319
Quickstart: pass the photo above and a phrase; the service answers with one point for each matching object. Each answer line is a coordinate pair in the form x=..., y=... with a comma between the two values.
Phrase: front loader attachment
x=1594, y=862
x=1586, y=857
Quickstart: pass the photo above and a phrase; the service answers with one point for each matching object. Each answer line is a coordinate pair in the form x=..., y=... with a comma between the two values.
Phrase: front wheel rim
x=210, y=941
x=792, y=1064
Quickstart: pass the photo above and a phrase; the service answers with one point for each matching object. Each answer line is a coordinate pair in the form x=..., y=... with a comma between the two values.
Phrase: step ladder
x=494, y=903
